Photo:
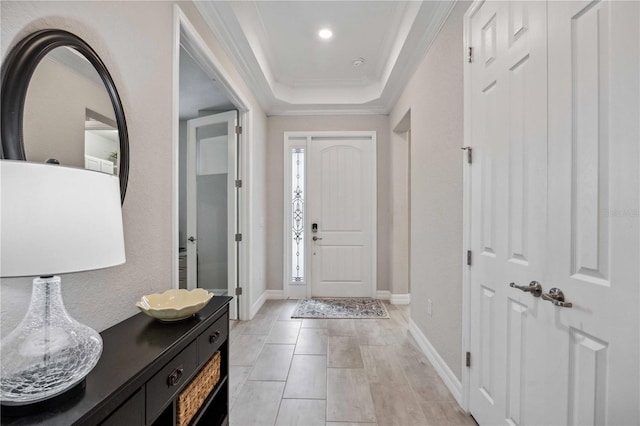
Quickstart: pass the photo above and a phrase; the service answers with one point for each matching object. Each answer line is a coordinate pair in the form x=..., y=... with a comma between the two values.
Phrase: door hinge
x=238, y=183
x=468, y=363
x=470, y=54
x=238, y=130
x=238, y=291
x=238, y=237
x=468, y=257
x=469, y=153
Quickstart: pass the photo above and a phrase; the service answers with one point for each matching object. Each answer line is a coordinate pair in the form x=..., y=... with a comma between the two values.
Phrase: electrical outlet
x=429, y=307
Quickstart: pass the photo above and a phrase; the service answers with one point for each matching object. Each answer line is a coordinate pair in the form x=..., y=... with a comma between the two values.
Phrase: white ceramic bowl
x=175, y=304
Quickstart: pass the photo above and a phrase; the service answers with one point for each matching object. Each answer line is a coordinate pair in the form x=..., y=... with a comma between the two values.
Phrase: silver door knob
x=316, y=238
x=534, y=288
x=556, y=296
x=191, y=239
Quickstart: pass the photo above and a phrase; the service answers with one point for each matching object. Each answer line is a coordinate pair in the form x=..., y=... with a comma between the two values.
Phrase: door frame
x=308, y=136
x=186, y=35
x=466, y=207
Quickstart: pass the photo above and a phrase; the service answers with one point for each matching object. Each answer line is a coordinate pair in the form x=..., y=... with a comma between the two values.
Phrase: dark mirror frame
x=17, y=71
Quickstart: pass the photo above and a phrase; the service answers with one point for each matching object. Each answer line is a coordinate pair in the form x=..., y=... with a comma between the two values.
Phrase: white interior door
x=508, y=219
x=342, y=198
x=557, y=203
x=212, y=204
x=594, y=210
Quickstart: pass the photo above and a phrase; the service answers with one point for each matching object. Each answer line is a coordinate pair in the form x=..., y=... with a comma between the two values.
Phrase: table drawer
x=165, y=384
x=211, y=339
x=131, y=413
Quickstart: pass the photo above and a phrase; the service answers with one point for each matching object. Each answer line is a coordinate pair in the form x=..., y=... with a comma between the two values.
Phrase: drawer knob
x=175, y=376
x=214, y=337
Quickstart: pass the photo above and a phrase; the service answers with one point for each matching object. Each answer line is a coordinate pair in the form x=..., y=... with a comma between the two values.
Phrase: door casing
x=186, y=35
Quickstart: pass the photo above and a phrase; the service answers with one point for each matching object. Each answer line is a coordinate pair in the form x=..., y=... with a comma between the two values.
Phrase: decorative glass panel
x=297, y=215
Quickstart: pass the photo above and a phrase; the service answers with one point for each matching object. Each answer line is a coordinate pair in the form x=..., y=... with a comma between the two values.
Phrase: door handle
x=534, y=288
x=191, y=239
x=556, y=296
x=316, y=238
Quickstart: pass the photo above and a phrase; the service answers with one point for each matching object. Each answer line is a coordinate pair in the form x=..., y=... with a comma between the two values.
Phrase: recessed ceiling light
x=358, y=62
x=325, y=33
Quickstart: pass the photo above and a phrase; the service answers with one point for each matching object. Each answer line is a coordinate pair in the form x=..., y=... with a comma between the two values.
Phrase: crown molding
x=315, y=97
x=327, y=110
x=439, y=13
x=219, y=17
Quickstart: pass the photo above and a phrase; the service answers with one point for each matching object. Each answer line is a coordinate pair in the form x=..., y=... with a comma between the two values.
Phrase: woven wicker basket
x=191, y=398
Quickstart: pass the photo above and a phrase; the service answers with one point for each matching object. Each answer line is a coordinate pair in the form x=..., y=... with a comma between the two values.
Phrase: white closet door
x=508, y=219
x=557, y=202
x=594, y=209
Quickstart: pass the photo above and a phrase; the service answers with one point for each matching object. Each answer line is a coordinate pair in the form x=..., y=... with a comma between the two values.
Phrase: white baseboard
x=445, y=373
x=266, y=295
x=395, y=299
x=274, y=294
x=255, y=307
x=400, y=299
x=383, y=295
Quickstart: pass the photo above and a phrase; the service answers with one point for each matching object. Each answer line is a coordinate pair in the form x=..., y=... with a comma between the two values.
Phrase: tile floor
x=310, y=372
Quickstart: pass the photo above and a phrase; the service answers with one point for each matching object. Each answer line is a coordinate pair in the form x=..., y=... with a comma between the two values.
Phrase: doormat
x=356, y=308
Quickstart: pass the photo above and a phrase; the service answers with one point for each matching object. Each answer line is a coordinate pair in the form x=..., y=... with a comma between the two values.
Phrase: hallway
x=330, y=372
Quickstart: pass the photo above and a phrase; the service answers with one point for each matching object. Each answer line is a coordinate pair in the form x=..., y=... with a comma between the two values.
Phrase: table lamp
x=53, y=220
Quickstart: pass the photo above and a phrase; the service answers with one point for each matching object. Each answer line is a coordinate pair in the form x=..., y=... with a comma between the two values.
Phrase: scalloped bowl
x=174, y=304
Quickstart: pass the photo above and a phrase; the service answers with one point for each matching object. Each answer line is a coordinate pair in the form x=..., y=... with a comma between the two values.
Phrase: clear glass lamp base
x=49, y=352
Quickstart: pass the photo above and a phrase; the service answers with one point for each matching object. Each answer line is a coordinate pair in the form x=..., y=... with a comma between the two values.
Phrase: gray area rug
x=359, y=308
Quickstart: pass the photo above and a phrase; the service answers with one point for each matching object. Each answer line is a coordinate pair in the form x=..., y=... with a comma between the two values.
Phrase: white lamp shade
x=56, y=220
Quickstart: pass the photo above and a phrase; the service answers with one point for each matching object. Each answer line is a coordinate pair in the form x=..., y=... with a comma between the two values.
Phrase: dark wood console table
x=136, y=381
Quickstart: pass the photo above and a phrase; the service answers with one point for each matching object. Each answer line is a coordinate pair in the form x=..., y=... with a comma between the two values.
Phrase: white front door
x=557, y=203
x=212, y=204
x=342, y=205
x=508, y=218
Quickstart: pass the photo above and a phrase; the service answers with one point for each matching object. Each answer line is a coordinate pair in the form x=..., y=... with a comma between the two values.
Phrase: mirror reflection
x=68, y=115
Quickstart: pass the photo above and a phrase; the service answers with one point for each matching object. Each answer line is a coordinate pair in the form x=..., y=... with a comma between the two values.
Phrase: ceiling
x=199, y=94
x=291, y=70
x=75, y=61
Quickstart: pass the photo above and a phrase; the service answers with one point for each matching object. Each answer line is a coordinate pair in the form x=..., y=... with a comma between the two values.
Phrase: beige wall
x=135, y=41
x=434, y=95
x=55, y=113
x=277, y=125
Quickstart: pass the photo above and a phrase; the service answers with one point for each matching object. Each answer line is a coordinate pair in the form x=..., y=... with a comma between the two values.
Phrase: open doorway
x=207, y=172
x=401, y=229
x=208, y=197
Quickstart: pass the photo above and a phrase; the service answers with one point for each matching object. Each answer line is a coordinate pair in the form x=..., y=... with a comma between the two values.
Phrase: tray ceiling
x=291, y=70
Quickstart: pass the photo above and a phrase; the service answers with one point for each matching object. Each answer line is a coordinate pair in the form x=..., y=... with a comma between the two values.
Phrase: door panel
x=594, y=81
x=508, y=201
x=341, y=201
x=555, y=197
x=487, y=398
x=517, y=345
x=212, y=204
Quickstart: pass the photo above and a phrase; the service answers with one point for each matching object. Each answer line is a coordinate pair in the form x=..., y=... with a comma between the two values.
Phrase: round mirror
x=59, y=104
